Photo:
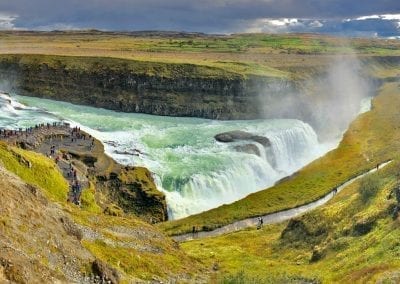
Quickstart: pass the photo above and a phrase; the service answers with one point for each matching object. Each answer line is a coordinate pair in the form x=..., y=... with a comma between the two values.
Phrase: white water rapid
x=195, y=171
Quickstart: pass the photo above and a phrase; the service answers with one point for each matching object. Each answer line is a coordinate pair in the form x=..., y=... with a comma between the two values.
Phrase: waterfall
x=294, y=146
x=245, y=173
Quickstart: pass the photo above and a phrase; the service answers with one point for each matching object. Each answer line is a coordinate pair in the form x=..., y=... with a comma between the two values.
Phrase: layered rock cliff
x=144, y=87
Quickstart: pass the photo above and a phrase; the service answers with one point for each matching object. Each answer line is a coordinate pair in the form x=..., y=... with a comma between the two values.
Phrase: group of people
x=9, y=133
x=77, y=134
x=75, y=185
x=76, y=191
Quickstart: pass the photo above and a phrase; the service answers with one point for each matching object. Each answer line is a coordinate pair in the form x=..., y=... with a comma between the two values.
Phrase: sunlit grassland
x=245, y=54
x=372, y=138
x=35, y=169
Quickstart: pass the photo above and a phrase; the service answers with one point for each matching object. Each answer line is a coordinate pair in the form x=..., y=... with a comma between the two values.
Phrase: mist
x=337, y=96
x=328, y=102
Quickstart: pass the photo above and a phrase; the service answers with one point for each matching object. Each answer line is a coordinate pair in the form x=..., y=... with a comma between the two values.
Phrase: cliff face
x=173, y=90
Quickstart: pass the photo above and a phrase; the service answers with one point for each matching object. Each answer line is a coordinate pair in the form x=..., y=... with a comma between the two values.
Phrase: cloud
x=7, y=21
x=367, y=26
x=213, y=16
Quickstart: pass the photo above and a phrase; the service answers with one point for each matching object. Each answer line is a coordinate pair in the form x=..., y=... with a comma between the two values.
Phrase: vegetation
x=240, y=54
x=368, y=188
x=88, y=200
x=35, y=169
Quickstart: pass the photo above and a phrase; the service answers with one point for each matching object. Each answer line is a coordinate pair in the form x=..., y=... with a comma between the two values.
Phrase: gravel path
x=273, y=217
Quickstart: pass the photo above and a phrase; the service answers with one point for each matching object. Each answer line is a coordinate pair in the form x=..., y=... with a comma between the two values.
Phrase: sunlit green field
x=260, y=54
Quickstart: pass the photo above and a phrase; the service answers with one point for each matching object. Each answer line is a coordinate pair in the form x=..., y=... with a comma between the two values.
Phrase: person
x=260, y=223
x=76, y=192
x=377, y=166
x=193, y=231
x=335, y=191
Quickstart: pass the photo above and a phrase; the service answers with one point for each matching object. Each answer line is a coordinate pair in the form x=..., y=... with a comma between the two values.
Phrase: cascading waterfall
x=293, y=147
x=246, y=173
x=195, y=171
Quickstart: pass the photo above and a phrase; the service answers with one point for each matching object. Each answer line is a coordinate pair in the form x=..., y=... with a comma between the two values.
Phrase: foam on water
x=195, y=171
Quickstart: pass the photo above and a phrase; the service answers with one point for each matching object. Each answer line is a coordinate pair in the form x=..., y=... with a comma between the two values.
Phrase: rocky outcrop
x=238, y=135
x=132, y=188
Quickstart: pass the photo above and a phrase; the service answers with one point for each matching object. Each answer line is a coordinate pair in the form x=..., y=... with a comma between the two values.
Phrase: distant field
x=261, y=54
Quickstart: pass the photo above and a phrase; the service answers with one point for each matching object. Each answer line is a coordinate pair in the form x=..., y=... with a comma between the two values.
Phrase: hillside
x=352, y=239
x=44, y=239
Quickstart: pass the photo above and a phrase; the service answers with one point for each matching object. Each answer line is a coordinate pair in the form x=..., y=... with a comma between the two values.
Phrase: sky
x=353, y=17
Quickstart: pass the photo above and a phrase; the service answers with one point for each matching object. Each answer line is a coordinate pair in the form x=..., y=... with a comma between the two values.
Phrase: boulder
x=105, y=272
x=238, y=135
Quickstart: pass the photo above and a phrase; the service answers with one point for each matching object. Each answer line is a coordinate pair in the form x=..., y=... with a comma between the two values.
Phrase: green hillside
x=352, y=239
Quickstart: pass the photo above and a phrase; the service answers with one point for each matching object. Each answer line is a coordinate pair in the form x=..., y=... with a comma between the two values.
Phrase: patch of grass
x=243, y=54
x=35, y=169
x=88, y=201
x=145, y=261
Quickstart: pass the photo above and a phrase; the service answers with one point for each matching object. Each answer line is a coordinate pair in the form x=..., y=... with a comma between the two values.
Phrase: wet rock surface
x=238, y=135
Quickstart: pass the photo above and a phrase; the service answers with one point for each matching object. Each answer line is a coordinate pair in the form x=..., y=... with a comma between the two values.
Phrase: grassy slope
x=348, y=256
x=135, y=248
x=97, y=64
x=370, y=139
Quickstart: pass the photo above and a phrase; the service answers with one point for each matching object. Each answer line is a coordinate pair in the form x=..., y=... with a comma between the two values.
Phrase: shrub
x=369, y=186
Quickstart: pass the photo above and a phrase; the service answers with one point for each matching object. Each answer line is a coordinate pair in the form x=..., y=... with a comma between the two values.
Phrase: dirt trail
x=274, y=217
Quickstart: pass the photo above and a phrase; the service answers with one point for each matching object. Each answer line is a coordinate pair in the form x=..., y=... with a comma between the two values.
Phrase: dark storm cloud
x=206, y=15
